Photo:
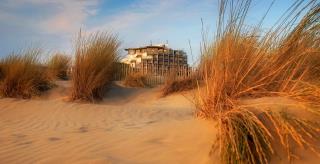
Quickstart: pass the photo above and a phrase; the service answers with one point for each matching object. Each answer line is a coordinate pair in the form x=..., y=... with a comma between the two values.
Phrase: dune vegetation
x=93, y=67
x=246, y=63
x=23, y=75
x=243, y=63
x=135, y=80
x=58, y=66
x=1, y=71
x=179, y=85
x=175, y=84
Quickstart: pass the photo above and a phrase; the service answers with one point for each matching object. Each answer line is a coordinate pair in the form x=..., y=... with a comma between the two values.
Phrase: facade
x=156, y=58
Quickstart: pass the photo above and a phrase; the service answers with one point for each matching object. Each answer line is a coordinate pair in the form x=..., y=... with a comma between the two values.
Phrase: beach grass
x=135, y=80
x=58, y=66
x=179, y=85
x=23, y=75
x=1, y=71
x=244, y=63
x=174, y=83
x=93, y=67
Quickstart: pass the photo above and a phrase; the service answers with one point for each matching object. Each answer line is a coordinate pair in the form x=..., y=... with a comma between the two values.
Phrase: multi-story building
x=155, y=58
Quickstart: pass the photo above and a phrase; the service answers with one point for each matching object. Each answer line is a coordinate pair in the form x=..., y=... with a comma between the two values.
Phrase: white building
x=159, y=56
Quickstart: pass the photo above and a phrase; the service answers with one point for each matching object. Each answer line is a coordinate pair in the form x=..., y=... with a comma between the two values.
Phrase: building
x=157, y=58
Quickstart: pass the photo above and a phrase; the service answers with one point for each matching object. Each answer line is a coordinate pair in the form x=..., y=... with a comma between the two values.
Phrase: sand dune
x=129, y=126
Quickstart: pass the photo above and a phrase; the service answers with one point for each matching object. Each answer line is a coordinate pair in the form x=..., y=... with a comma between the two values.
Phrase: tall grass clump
x=135, y=80
x=179, y=85
x=95, y=57
x=174, y=84
x=58, y=66
x=245, y=62
x=23, y=75
x=1, y=71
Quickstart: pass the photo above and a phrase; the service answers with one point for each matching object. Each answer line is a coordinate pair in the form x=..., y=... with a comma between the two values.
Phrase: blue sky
x=53, y=24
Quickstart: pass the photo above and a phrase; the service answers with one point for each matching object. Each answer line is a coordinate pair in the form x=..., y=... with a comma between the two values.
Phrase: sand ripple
x=124, y=130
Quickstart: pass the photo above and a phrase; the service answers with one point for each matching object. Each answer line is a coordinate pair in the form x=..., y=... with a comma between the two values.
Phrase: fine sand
x=129, y=126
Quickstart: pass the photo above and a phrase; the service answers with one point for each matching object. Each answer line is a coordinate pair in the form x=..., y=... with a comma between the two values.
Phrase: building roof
x=139, y=48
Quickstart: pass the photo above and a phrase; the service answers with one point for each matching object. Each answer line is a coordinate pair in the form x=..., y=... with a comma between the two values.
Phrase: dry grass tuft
x=23, y=75
x=179, y=85
x=173, y=83
x=58, y=66
x=244, y=62
x=1, y=71
x=314, y=64
x=93, y=68
x=135, y=80
x=291, y=129
x=244, y=137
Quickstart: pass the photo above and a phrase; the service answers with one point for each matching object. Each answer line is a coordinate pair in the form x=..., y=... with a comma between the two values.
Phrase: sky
x=53, y=24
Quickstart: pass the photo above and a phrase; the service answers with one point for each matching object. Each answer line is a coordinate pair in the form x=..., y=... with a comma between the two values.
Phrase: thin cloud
x=135, y=15
x=55, y=23
x=59, y=16
x=70, y=16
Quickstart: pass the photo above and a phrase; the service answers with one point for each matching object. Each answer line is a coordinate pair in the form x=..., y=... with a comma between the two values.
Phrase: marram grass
x=93, y=68
x=243, y=63
x=58, y=66
x=23, y=75
x=135, y=80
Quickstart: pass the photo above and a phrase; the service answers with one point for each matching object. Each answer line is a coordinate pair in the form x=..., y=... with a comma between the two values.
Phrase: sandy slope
x=130, y=126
